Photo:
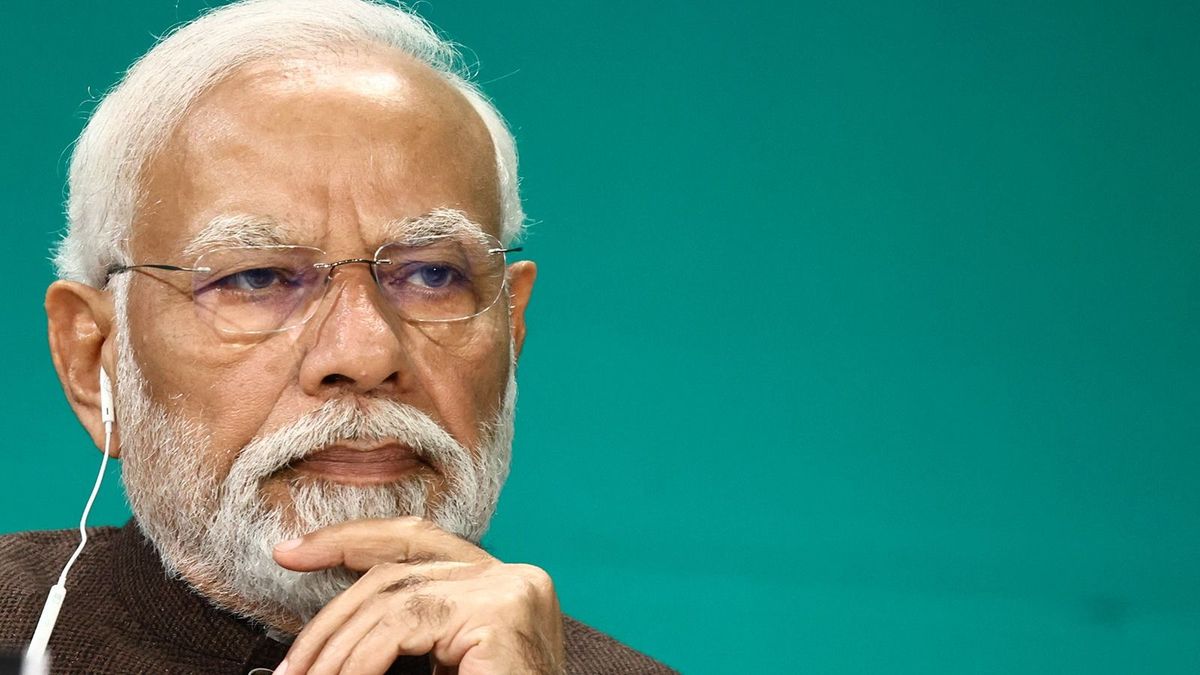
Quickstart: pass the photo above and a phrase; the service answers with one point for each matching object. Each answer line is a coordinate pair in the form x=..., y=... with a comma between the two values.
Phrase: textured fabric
x=124, y=615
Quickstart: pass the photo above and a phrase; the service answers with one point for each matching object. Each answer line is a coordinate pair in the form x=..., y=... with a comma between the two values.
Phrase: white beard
x=218, y=534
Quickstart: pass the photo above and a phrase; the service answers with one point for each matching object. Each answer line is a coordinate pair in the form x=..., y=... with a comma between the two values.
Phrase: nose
x=353, y=345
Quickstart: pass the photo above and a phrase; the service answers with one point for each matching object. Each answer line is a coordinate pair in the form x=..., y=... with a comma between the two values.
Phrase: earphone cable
x=35, y=657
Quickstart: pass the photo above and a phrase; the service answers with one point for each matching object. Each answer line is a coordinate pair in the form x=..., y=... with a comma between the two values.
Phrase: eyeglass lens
x=268, y=289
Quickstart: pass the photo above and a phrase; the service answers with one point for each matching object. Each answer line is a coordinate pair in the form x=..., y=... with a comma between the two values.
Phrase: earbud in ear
x=106, y=398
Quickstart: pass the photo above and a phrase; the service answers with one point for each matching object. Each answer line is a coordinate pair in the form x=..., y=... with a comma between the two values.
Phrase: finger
x=330, y=658
x=337, y=612
x=379, y=648
x=361, y=544
x=375, y=653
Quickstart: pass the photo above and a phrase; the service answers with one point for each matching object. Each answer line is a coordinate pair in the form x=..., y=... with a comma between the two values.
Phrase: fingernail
x=287, y=546
x=281, y=669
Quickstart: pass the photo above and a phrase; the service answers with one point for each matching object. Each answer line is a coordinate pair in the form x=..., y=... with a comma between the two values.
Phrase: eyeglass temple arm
x=119, y=269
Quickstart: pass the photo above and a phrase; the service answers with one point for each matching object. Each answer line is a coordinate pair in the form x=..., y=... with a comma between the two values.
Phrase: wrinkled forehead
x=350, y=151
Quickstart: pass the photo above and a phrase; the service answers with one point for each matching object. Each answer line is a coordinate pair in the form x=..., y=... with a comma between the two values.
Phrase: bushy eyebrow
x=436, y=223
x=238, y=230
x=250, y=230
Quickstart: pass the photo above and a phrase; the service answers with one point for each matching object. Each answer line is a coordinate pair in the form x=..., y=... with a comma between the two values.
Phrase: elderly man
x=288, y=235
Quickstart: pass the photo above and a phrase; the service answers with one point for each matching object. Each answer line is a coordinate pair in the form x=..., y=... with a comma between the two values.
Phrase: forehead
x=333, y=151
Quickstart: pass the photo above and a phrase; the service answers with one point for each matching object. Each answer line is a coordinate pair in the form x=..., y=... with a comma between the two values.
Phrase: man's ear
x=521, y=276
x=80, y=321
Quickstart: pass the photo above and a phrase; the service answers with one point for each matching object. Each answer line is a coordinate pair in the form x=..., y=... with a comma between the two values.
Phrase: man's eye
x=433, y=276
x=254, y=279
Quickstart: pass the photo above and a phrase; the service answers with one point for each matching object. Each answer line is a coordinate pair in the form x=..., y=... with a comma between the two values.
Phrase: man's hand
x=424, y=592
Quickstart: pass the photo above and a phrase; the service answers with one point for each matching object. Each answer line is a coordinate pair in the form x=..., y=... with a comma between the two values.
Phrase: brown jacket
x=124, y=615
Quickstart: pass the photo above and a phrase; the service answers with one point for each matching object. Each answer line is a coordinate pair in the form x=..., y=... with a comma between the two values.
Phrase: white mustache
x=350, y=420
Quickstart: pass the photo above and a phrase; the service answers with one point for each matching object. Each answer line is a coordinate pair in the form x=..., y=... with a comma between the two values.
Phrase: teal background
x=866, y=336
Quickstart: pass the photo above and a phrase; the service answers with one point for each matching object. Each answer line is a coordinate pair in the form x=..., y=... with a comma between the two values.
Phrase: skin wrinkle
x=422, y=558
x=429, y=610
x=533, y=649
x=404, y=583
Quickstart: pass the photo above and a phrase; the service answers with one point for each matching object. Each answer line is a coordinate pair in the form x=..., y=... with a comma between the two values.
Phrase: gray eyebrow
x=436, y=223
x=237, y=230
x=250, y=230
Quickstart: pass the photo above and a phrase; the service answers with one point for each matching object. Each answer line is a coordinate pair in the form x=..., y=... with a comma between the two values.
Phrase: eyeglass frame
x=113, y=270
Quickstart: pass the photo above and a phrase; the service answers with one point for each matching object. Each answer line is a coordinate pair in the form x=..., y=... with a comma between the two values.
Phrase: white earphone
x=106, y=403
x=36, y=662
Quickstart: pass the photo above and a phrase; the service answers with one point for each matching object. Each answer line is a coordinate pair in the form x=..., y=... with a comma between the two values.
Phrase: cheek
x=465, y=382
x=229, y=390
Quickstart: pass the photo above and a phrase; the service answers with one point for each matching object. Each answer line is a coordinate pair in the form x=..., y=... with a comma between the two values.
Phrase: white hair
x=137, y=117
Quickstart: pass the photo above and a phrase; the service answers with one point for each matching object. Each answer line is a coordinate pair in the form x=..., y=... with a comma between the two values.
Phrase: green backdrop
x=867, y=336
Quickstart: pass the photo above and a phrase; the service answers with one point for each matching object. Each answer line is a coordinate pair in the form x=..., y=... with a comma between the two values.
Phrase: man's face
x=332, y=153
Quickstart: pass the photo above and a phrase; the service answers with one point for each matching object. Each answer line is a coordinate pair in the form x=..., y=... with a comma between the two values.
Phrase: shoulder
x=590, y=651
x=36, y=558
x=30, y=563
x=26, y=558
